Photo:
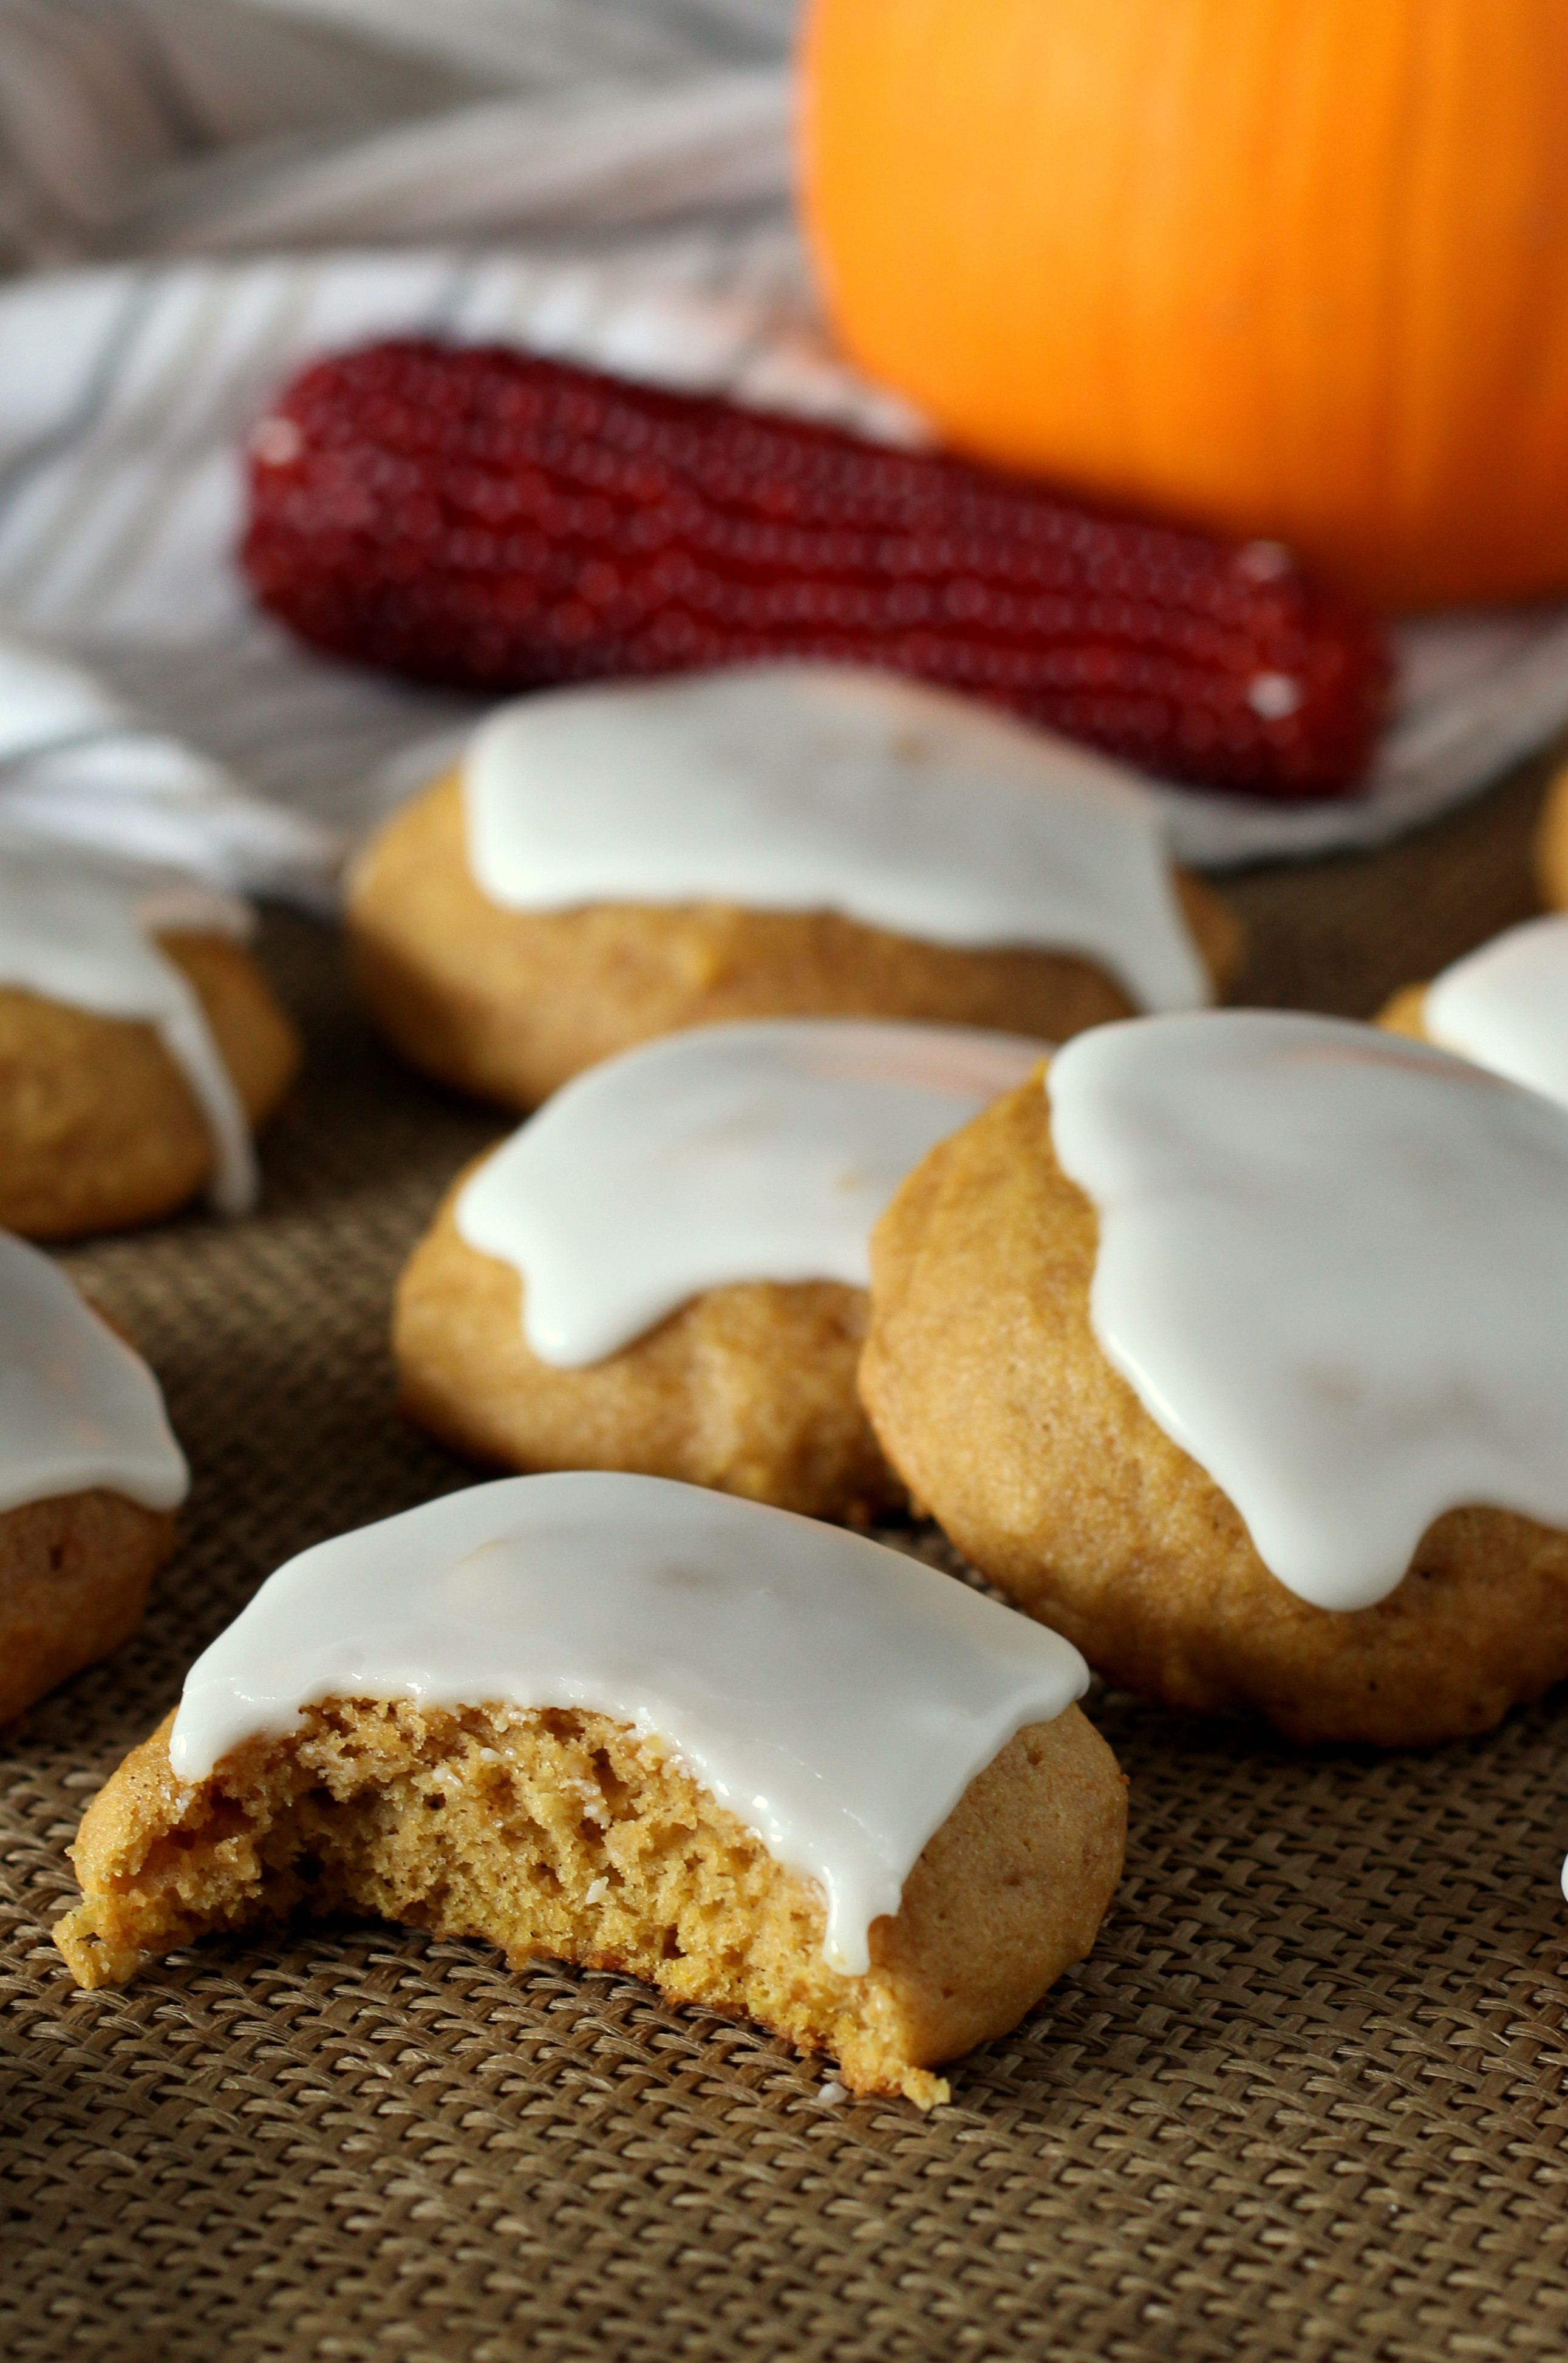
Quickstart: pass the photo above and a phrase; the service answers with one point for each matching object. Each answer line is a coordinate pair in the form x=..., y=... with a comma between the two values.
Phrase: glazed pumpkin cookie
x=1506, y=1006
x=1239, y=1354
x=139, y=1044
x=665, y=1269
x=90, y=1477
x=615, y=863
x=1552, y=843
x=772, y=1767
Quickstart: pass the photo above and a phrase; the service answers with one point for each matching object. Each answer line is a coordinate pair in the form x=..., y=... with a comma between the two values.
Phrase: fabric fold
x=603, y=180
x=79, y=766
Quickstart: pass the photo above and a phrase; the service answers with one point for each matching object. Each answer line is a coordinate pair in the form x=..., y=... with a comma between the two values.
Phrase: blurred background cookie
x=1239, y=1354
x=1505, y=1005
x=90, y=1477
x=139, y=1043
x=615, y=863
x=665, y=1269
x=1552, y=843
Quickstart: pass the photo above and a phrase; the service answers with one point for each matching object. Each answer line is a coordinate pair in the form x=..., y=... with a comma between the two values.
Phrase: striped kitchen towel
x=607, y=180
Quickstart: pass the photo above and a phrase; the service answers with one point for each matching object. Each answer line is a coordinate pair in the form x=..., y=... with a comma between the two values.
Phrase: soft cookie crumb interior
x=551, y=1832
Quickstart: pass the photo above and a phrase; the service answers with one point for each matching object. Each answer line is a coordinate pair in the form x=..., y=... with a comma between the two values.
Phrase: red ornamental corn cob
x=481, y=516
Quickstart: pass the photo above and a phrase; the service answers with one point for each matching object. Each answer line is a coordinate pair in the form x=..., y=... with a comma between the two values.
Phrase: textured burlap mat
x=1305, y=2099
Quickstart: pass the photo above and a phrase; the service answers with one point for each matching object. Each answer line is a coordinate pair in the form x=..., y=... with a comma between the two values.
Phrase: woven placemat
x=1305, y=2099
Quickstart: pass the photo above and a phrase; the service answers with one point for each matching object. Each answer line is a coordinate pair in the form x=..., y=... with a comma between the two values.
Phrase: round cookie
x=772, y=1768
x=991, y=1394
x=1552, y=843
x=509, y=1001
x=74, y=1573
x=696, y=1215
x=139, y=1043
x=749, y=1389
x=1504, y=1005
x=1402, y=1012
x=90, y=1477
x=99, y=1128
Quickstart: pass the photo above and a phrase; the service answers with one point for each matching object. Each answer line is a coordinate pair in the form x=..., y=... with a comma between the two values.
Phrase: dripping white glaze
x=83, y=933
x=762, y=1151
x=78, y=1408
x=1331, y=1265
x=1507, y=1005
x=837, y=1697
x=812, y=788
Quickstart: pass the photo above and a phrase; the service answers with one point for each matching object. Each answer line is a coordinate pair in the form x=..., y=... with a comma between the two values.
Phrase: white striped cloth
x=608, y=180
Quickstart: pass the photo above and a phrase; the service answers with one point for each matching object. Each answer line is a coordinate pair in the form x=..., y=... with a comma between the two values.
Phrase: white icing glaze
x=837, y=1697
x=812, y=788
x=1507, y=1005
x=82, y=932
x=760, y=1152
x=78, y=1408
x=1331, y=1265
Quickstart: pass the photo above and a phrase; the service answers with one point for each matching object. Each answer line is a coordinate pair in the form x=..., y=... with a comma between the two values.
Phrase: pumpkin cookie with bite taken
x=774, y=1769
x=619, y=862
x=1239, y=1353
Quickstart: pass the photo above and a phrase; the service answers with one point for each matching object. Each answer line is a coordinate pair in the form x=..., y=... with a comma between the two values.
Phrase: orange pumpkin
x=1296, y=268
